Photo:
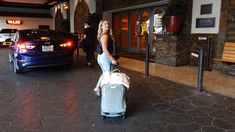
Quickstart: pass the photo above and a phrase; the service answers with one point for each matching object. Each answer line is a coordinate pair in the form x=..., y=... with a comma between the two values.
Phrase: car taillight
x=67, y=44
x=24, y=46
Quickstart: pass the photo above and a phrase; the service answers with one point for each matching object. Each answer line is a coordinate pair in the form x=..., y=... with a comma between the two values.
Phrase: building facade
x=137, y=24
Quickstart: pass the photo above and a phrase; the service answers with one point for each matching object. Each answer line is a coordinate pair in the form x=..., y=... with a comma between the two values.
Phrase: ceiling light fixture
x=65, y=6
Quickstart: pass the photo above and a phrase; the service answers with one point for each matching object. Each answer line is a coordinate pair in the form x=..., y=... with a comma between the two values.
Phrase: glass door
x=117, y=29
x=124, y=30
x=135, y=30
x=144, y=29
x=120, y=30
x=139, y=29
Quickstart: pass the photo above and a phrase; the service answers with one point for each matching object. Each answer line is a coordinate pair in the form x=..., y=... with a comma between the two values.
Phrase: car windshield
x=8, y=30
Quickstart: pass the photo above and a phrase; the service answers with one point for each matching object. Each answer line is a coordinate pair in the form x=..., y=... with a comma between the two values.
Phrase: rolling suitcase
x=113, y=101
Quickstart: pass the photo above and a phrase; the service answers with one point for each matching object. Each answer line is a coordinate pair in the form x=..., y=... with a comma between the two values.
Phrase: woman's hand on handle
x=114, y=62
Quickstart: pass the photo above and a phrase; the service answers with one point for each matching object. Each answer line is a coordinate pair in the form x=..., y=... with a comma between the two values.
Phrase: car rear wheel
x=16, y=67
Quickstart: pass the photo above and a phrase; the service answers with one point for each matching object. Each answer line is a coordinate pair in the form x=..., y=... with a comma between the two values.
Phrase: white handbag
x=115, y=77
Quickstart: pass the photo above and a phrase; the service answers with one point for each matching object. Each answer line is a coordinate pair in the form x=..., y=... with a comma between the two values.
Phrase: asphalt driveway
x=58, y=99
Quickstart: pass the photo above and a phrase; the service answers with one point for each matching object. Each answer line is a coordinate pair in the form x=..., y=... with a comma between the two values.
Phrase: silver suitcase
x=113, y=101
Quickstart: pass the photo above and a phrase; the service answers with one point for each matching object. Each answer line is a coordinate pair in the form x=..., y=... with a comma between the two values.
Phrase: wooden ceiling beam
x=24, y=5
x=46, y=5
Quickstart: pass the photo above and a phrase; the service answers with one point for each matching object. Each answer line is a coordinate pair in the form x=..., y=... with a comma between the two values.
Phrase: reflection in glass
x=157, y=26
x=145, y=19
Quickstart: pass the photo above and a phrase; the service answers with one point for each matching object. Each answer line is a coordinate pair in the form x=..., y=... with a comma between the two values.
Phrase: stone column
x=172, y=50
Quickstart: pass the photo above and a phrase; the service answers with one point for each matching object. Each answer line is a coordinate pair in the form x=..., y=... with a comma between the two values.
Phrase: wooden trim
x=224, y=60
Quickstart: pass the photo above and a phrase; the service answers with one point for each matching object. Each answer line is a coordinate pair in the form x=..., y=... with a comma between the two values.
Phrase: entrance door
x=120, y=26
x=139, y=29
x=117, y=29
x=135, y=30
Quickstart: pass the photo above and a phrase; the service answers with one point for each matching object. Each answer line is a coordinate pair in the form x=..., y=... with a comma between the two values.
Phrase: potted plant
x=174, y=15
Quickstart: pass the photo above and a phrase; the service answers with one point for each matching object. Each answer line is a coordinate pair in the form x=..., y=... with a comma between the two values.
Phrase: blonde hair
x=100, y=31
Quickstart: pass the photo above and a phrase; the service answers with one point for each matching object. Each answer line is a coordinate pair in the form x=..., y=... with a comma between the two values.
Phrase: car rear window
x=8, y=30
x=42, y=35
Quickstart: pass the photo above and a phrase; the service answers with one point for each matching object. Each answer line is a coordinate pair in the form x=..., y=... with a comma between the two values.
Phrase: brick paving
x=61, y=100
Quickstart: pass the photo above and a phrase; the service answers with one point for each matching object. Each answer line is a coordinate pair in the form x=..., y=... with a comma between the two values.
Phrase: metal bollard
x=147, y=61
x=200, y=70
x=208, y=54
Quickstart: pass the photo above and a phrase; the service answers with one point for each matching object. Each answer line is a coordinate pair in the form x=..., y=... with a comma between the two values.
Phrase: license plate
x=47, y=48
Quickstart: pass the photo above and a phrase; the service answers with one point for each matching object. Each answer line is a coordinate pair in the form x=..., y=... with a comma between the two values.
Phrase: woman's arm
x=104, y=41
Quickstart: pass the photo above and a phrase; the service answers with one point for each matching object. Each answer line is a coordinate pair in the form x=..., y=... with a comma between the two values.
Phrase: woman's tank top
x=110, y=44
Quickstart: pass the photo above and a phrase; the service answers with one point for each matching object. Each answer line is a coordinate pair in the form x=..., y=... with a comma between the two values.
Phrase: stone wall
x=227, y=32
x=172, y=50
x=194, y=43
x=80, y=16
x=188, y=42
x=61, y=24
x=199, y=44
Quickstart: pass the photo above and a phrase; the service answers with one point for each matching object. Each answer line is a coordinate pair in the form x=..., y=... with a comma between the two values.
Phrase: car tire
x=15, y=67
x=10, y=58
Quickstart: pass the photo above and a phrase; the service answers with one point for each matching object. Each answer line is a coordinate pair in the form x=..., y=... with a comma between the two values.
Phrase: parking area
x=57, y=99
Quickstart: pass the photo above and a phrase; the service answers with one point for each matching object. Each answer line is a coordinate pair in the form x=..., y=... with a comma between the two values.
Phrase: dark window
x=42, y=35
x=205, y=22
x=206, y=9
x=8, y=30
x=44, y=27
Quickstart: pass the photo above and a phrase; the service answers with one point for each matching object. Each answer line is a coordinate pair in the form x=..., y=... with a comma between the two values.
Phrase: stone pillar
x=172, y=50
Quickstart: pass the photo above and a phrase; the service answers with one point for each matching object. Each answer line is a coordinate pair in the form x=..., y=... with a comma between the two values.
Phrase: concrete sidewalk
x=214, y=81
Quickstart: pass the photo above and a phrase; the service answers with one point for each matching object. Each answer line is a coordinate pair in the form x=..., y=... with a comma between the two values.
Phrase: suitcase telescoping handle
x=113, y=67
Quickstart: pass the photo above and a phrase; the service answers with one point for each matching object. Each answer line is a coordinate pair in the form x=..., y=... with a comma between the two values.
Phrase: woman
x=105, y=59
x=105, y=39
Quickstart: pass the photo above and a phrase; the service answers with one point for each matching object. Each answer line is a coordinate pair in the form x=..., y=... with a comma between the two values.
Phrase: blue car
x=39, y=48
